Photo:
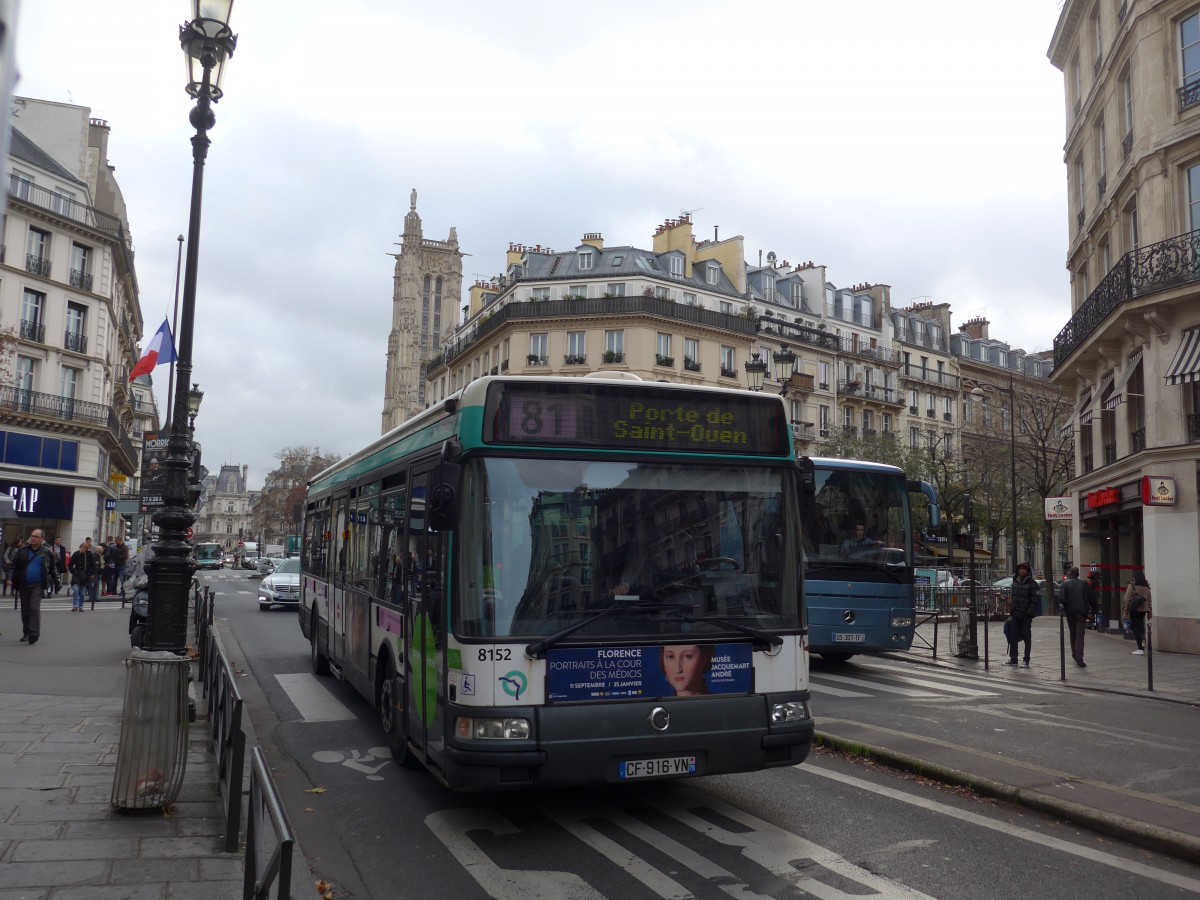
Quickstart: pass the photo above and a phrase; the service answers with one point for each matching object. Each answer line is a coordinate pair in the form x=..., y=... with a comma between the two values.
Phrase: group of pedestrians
x=1079, y=601
x=34, y=570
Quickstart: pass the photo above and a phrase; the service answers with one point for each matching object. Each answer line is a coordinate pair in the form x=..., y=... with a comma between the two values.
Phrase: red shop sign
x=1103, y=497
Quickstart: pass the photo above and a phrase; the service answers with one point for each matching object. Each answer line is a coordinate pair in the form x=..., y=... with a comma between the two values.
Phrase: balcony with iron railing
x=1087, y=463
x=614, y=307
x=1189, y=95
x=36, y=264
x=803, y=431
x=931, y=376
x=1158, y=267
x=81, y=280
x=73, y=340
x=32, y=331
x=866, y=351
x=32, y=408
x=25, y=191
x=801, y=334
x=1127, y=145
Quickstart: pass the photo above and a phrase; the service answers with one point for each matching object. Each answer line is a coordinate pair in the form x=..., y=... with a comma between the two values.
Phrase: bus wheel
x=320, y=662
x=390, y=719
x=839, y=656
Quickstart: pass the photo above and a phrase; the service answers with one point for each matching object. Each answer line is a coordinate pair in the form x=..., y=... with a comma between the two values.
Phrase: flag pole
x=174, y=331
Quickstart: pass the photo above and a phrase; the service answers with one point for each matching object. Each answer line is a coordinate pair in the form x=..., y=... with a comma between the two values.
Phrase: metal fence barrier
x=268, y=853
x=228, y=738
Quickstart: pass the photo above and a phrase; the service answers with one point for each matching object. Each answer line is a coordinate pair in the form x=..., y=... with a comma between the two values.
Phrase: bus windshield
x=208, y=551
x=857, y=517
x=668, y=549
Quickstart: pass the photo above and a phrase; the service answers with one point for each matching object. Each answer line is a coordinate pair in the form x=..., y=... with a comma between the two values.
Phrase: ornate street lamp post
x=756, y=371
x=207, y=44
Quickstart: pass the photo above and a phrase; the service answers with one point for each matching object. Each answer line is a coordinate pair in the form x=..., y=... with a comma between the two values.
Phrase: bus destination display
x=639, y=419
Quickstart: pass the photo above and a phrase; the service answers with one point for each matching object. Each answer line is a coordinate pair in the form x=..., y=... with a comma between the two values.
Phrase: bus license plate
x=858, y=638
x=651, y=768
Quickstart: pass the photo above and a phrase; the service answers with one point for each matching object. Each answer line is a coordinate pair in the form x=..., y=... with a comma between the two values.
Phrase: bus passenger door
x=425, y=634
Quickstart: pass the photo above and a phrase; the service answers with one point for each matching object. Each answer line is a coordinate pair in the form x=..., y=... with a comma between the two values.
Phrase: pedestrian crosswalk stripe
x=312, y=699
x=994, y=683
x=873, y=685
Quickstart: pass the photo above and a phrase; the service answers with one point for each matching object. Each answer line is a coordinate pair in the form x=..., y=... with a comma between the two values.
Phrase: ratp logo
x=513, y=684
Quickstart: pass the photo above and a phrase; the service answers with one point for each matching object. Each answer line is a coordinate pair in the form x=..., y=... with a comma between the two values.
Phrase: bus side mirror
x=443, y=498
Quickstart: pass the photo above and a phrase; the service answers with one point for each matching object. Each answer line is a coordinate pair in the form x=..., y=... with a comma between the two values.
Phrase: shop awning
x=1117, y=397
x=1185, y=367
x=959, y=554
x=1105, y=383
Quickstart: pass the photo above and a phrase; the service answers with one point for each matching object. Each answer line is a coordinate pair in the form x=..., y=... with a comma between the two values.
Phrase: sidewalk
x=60, y=720
x=1145, y=819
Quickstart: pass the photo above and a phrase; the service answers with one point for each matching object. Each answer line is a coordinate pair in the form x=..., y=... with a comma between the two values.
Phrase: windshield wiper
x=537, y=649
x=763, y=640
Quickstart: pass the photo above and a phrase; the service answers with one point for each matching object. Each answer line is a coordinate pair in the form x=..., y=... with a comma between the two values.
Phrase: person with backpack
x=1026, y=601
x=35, y=570
x=1137, y=609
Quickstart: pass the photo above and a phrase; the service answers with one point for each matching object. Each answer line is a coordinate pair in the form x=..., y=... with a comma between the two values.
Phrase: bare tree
x=280, y=504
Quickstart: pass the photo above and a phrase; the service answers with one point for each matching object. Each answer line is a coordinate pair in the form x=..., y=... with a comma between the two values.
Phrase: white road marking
x=313, y=700
x=873, y=685
x=1026, y=834
x=817, y=688
x=452, y=827
x=948, y=688
x=994, y=683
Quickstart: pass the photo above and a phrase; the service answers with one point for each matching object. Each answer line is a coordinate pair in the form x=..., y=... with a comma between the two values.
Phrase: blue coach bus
x=858, y=552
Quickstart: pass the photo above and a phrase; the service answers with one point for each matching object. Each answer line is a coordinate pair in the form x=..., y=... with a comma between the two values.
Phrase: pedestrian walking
x=1137, y=609
x=85, y=569
x=34, y=571
x=10, y=553
x=122, y=562
x=62, y=558
x=1026, y=600
x=108, y=552
x=1079, y=602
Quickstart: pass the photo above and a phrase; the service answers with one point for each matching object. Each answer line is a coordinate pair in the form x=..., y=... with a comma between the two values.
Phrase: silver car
x=266, y=564
x=281, y=587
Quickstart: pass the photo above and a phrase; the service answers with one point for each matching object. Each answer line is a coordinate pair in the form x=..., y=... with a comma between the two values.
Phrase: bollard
x=152, y=752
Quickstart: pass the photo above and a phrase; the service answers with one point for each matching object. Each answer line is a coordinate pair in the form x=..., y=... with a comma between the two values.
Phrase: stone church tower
x=426, y=294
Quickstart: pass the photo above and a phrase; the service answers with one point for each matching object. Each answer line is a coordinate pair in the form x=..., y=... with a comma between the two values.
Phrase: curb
x=1153, y=837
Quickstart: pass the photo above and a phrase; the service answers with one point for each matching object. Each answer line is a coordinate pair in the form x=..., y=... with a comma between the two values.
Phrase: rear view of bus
x=604, y=586
x=858, y=551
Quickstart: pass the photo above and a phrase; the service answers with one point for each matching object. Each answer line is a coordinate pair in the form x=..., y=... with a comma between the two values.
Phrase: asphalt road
x=836, y=826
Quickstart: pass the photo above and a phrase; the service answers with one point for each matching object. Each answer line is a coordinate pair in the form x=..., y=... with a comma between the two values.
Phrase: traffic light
x=128, y=529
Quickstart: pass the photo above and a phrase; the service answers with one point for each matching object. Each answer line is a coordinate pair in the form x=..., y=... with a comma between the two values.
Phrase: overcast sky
x=916, y=144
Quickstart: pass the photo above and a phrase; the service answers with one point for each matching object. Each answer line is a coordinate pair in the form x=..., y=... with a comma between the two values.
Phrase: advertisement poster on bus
x=154, y=474
x=667, y=670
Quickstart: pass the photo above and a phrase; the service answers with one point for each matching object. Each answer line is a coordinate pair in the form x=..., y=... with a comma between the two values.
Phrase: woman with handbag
x=1137, y=609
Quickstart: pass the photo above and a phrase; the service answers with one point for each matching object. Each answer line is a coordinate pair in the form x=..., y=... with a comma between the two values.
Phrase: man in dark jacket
x=35, y=571
x=1078, y=601
x=1026, y=601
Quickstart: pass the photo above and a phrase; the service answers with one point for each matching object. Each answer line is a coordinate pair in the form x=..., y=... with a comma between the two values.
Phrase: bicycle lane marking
x=1026, y=834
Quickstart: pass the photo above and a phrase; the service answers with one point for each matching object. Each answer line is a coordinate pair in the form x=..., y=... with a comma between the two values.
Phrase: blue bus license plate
x=650, y=768
x=843, y=638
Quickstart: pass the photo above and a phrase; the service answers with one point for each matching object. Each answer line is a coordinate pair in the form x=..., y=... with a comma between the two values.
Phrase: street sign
x=189, y=537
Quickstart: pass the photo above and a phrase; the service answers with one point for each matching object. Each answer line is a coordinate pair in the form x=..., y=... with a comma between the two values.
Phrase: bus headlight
x=492, y=729
x=792, y=711
x=902, y=621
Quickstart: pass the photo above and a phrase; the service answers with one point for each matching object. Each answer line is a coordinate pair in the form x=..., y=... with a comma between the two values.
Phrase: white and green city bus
x=552, y=581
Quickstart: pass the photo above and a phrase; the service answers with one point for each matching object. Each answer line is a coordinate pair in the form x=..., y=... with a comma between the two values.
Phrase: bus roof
x=858, y=465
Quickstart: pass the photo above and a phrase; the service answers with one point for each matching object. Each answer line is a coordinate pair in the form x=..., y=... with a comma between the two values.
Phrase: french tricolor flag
x=161, y=349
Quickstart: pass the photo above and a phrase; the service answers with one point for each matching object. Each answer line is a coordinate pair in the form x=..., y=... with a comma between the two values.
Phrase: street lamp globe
x=207, y=45
x=195, y=395
x=756, y=371
x=785, y=363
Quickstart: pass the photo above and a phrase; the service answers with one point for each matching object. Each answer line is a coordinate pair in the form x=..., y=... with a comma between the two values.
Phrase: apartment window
x=868, y=419
x=823, y=418
x=32, y=305
x=1101, y=150
x=615, y=290
x=1133, y=237
x=914, y=398
x=727, y=361
x=1080, y=187
x=661, y=292
x=1098, y=36
x=578, y=290
x=677, y=266
x=689, y=299
x=540, y=293
x=947, y=407
x=25, y=370
x=887, y=423
x=1194, y=197
x=710, y=273
x=76, y=337
x=81, y=267
x=1127, y=103
x=576, y=344
x=614, y=341
x=823, y=373
x=585, y=260
x=931, y=402
x=37, y=252
x=948, y=444
x=68, y=382
x=537, y=349
x=1189, y=45
x=901, y=327
x=663, y=344
x=1076, y=82
x=797, y=293
x=62, y=202
x=848, y=416
x=726, y=307
x=691, y=351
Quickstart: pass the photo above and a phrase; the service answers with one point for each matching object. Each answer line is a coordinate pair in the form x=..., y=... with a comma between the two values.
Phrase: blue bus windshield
x=858, y=517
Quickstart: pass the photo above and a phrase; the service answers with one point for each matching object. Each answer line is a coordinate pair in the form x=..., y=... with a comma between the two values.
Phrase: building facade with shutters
x=1129, y=356
x=224, y=513
x=69, y=294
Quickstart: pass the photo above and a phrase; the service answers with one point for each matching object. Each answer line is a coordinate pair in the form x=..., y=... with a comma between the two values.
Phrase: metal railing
x=80, y=279
x=73, y=340
x=268, y=856
x=37, y=265
x=32, y=331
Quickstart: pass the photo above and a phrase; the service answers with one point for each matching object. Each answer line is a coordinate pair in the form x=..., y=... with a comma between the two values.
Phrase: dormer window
x=769, y=287
x=677, y=266
x=710, y=273
x=585, y=260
